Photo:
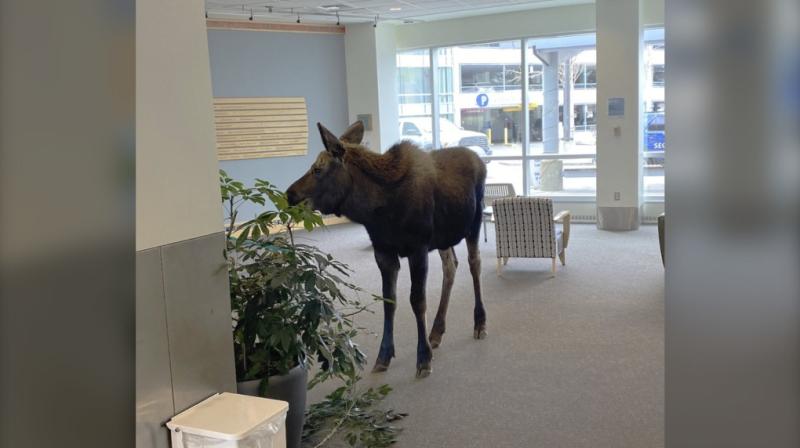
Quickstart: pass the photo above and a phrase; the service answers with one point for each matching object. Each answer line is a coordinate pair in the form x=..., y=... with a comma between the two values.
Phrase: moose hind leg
x=475, y=269
x=418, y=265
x=389, y=265
x=449, y=265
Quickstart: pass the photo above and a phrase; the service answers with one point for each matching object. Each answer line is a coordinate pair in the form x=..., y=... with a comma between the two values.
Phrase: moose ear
x=332, y=144
x=354, y=134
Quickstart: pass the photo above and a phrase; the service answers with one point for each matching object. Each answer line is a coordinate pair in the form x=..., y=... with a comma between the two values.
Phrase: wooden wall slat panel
x=259, y=100
x=253, y=106
x=260, y=136
x=250, y=128
x=255, y=131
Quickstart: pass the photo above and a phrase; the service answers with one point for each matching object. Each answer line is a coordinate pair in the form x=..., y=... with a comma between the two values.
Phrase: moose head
x=327, y=183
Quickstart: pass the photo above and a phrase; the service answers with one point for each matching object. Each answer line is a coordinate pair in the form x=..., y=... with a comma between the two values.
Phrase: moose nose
x=293, y=197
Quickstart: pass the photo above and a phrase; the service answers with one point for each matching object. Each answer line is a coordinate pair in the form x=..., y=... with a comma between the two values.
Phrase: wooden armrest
x=564, y=217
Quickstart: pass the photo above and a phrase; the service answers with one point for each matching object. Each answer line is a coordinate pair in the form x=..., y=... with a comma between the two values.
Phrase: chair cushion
x=559, y=239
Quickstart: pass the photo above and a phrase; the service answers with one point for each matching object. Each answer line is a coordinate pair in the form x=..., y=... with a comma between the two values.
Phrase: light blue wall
x=258, y=63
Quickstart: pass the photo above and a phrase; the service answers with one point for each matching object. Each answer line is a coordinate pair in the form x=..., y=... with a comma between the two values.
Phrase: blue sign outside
x=654, y=132
x=482, y=100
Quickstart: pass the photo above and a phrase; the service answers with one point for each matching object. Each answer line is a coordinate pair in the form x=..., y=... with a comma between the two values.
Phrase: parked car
x=418, y=130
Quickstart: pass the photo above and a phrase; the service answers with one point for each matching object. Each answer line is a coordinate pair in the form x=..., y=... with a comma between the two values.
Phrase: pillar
x=550, y=106
x=371, y=66
x=619, y=137
x=567, y=120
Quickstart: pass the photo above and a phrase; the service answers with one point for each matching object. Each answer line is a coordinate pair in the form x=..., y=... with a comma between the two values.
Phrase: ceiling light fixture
x=396, y=8
x=338, y=22
x=251, y=15
x=375, y=24
x=298, y=18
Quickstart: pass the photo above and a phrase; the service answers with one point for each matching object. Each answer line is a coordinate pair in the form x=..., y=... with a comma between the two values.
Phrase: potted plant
x=291, y=304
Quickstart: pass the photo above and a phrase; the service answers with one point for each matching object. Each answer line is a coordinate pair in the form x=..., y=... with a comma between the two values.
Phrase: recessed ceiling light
x=336, y=7
x=396, y=8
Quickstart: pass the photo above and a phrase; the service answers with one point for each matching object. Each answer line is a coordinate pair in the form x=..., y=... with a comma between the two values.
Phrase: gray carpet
x=571, y=361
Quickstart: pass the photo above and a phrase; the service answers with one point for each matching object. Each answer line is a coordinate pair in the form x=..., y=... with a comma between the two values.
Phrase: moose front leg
x=389, y=264
x=418, y=265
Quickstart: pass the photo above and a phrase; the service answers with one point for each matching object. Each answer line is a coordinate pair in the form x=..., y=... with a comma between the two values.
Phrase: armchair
x=526, y=228
x=493, y=192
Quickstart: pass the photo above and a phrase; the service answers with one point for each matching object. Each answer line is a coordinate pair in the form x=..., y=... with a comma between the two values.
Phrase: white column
x=550, y=103
x=177, y=183
x=568, y=112
x=619, y=138
x=371, y=66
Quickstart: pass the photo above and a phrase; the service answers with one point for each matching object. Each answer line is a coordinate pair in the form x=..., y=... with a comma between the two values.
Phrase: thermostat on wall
x=366, y=119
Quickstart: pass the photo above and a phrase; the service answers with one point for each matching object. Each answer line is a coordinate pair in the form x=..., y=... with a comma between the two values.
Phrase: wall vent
x=584, y=218
x=649, y=219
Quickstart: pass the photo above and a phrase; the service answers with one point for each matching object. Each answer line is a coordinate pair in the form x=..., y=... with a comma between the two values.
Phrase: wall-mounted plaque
x=251, y=128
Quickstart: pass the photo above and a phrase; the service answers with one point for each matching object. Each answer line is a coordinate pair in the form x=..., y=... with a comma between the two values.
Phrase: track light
x=251, y=15
x=375, y=24
x=206, y=14
x=298, y=18
x=337, y=19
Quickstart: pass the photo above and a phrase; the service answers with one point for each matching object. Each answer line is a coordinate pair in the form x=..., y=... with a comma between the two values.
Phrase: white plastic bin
x=231, y=421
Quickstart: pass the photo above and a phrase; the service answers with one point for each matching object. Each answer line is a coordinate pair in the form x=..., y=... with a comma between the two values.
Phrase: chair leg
x=499, y=267
x=554, y=266
x=563, y=257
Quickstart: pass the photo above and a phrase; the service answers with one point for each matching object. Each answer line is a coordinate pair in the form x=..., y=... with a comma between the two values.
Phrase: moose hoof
x=480, y=333
x=424, y=371
x=380, y=367
x=435, y=340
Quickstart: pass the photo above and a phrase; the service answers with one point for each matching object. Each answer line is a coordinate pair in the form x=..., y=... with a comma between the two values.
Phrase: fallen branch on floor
x=348, y=414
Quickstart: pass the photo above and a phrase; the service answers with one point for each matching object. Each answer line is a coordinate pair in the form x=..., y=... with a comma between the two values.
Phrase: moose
x=410, y=202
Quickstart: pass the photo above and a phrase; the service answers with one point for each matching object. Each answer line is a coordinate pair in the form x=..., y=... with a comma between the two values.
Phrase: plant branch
x=338, y=424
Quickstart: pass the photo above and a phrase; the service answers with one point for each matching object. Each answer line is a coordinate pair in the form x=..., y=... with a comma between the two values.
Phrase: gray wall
x=258, y=63
x=184, y=348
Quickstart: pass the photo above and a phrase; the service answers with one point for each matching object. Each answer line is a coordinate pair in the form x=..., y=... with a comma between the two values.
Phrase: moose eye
x=316, y=171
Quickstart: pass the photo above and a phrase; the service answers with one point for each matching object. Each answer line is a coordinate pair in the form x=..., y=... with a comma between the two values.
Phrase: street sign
x=482, y=100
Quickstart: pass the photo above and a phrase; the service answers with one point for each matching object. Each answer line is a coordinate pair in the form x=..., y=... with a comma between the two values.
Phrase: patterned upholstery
x=491, y=193
x=525, y=228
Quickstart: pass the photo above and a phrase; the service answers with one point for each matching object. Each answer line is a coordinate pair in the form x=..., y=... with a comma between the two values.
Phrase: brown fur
x=410, y=202
x=386, y=168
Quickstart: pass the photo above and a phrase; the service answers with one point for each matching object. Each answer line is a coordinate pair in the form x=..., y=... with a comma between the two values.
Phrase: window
x=484, y=113
x=535, y=73
x=654, y=121
x=479, y=97
x=586, y=77
x=494, y=77
x=658, y=75
x=414, y=83
x=562, y=149
x=585, y=117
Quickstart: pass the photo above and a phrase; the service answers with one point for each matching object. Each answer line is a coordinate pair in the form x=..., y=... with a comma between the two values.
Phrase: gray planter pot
x=290, y=388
